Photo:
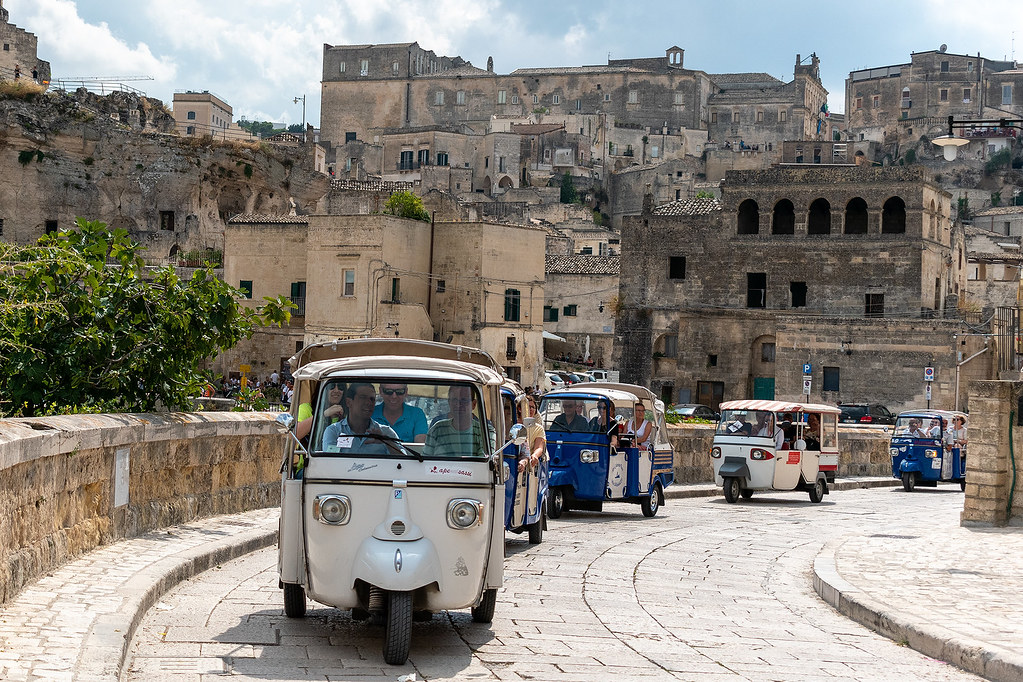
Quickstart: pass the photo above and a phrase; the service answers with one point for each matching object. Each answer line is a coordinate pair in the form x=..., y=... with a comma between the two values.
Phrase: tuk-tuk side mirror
x=286, y=420
x=620, y=419
x=517, y=435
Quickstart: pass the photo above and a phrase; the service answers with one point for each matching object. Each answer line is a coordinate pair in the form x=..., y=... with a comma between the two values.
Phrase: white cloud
x=76, y=48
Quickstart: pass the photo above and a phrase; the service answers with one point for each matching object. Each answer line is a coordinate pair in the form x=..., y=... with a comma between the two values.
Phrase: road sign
x=806, y=368
x=806, y=386
x=928, y=391
x=928, y=374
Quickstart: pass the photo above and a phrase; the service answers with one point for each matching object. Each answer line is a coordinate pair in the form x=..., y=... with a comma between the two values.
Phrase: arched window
x=749, y=217
x=856, y=216
x=819, y=219
x=893, y=216
x=783, y=221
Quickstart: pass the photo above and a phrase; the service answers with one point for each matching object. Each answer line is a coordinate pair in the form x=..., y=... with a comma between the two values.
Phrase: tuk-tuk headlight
x=333, y=510
x=930, y=453
x=715, y=452
x=894, y=452
x=758, y=454
x=464, y=513
x=589, y=456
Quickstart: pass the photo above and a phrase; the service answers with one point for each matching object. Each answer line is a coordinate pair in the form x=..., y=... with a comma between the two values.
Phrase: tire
x=817, y=491
x=484, y=612
x=556, y=502
x=962, y=485
x=294, y=600
x=908, y=481
x=398, y=629
x=536, y=528
x=651, y=503
x=746, y=493
x=732, y=490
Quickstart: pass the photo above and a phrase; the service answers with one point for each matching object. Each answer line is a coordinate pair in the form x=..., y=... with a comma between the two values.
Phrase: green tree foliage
x=85, y=327
x=406, y=205
x=568, y=193
x=704, y=194
x=261, y=128
x=964, y=211
x=998, y=160
x=996, y=198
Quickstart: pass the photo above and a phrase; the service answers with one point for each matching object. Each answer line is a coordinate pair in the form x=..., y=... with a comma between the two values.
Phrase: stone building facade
x=902, y=102
x=472, y=283
x=20, y=48
x=404, y=103
x=856, y=271
x=578, y=304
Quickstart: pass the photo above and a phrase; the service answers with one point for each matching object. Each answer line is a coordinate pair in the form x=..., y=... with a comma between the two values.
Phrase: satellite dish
x=943, y=48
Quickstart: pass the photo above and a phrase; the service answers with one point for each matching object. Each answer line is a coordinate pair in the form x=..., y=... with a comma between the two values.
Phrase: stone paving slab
x=76, y=623
x=952, y=594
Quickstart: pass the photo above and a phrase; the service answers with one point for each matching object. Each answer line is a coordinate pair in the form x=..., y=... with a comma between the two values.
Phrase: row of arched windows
x=818, y=217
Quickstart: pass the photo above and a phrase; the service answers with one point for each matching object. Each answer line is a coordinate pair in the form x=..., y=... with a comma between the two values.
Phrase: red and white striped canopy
x=778, y=406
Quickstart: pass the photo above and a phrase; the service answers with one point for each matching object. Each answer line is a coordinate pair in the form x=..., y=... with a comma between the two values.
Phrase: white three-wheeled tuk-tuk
x=393, y=519
x=775, y=445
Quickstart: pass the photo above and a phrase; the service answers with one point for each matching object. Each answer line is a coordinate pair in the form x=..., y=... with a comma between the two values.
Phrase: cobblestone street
x=705, y=590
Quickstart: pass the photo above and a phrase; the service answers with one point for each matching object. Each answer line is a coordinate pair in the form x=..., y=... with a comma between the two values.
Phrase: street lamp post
x=302, y=99
x=950, y=143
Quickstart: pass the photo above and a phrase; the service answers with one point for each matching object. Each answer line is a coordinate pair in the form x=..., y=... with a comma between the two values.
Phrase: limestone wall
x=70, y=484
x=995, y=455
x=864, y=452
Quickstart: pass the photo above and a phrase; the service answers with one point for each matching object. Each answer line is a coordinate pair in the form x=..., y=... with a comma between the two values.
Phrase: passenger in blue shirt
x=346, y=435
x=408, y=421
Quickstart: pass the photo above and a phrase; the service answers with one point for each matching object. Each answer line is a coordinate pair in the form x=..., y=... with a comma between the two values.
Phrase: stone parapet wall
x=864, y=452
x=70, y=484
x=993, y=456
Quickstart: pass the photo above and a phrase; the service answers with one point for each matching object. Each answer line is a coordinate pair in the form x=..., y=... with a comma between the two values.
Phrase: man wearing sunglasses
x=408, y=421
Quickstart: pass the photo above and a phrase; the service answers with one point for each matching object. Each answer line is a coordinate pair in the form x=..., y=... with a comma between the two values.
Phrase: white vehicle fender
x=398, y=566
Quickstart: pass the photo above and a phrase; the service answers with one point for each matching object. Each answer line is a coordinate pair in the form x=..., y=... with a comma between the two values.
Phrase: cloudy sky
x=259, y=55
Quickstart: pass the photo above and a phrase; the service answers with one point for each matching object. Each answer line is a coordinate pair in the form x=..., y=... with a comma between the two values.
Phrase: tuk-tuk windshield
x=580, y=414
x=398, y=417
x=919, y=426
x=746, y=423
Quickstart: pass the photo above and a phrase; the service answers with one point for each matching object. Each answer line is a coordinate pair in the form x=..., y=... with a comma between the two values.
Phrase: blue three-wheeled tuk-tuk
x=593, y=457
x=525, y=496
x=926, y=447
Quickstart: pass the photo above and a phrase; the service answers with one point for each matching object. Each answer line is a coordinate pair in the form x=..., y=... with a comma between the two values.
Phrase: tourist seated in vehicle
x=812, y=432
x=570, y=418
x=348, y=434
x=460, y=434
x=934, y=430
x=408, y=421
x=640, y=427
x=334, y=412
x=605, y=421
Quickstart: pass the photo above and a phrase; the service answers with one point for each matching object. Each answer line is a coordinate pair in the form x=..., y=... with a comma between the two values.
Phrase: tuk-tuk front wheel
x=536, y=528
x=817, y=491
x=294, y=600
x=908, y=481
x=558, y=504
x=651, y=503
x=732, y=489
x=484, y=612
x=398, y=630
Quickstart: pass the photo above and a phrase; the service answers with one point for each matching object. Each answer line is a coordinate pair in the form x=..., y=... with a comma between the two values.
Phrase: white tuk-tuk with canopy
x=775, y=445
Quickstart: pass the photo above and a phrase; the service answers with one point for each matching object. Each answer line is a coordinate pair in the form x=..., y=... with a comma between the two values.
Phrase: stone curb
x=980, y=658
x=105, y=647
